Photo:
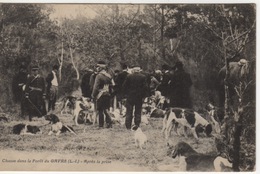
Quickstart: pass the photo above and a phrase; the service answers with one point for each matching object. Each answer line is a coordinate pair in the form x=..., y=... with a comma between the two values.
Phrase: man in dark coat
x=119, y=85
x=135, y=87
x=164, y=86
x=85, y=84
x=179, y=86
x=102, y=93
x=52, y=87
x=92, y=80
x=35, y=94
x=18, y=87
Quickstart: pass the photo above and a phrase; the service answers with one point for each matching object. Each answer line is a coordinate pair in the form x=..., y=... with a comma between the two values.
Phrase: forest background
x=150, y=35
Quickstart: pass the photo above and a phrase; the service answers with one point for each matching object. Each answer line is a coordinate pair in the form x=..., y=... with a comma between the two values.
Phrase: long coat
x=19, y=81
x=179, y=89
x=35, y=90
x=119, y=84
x=135, y=86
x=164, y=86
x=85, y=85
x=102, y=90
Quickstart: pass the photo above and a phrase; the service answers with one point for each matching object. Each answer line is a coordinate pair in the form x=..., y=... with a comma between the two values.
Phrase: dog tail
x=70, y=129
x=219, y=162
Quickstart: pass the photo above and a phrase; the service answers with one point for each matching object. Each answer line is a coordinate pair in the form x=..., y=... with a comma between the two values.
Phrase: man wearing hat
x=179, y=87
x=35, y=94
x=102, y=93
x=18, y=87
x=52, y=87
x=135, y=87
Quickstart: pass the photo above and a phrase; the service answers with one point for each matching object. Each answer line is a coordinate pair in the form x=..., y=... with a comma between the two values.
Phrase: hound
x=187, y=118
x=191, y=160
x=57, y=126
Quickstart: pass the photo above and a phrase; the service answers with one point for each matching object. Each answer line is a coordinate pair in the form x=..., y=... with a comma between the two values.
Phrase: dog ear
x=48, y=117
x=88, y=99
x=208, y=129
x=54, y=118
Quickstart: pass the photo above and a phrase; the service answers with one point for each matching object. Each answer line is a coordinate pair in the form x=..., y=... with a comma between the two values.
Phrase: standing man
x=35, y=94
x=19, y=82
x=85, y=84
x=135, y=87
x=180, y=87
x=119, y=83
x=52, y=87
x=102, y=93
x=164, y=86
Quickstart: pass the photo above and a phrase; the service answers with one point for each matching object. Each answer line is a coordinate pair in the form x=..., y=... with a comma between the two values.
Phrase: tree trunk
x=18, y=44
x=154, y=34
x=236, y=146
x=162, y=33
x=73, y=63
x=61, y=61
x=139, y=44
x=226, y=106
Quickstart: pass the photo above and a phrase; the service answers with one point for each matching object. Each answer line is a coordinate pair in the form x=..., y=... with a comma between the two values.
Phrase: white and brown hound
x=57, y=126
x=187, y=118
x=68, y=103
x=25, y=129
x=83, y=106
x=191, y=160
x=213, y=117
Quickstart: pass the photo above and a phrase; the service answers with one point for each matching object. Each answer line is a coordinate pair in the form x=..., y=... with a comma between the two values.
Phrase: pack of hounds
x=83, y=112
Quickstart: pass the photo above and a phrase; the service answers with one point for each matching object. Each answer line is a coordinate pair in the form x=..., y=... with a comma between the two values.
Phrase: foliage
x=149, y=35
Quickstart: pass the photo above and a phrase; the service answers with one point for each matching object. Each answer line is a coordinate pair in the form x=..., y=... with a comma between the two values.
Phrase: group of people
x=128, y=87
x=108, y=89
x=131, y=86
x=31, y=91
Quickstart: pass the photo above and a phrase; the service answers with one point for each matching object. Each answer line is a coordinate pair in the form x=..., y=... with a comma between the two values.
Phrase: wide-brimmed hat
x=101, y=64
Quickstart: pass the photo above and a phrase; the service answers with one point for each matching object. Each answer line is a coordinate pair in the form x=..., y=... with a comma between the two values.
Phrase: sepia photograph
x=128, y=87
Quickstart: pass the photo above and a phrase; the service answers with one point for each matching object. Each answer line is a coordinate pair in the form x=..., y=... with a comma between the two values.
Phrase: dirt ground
x=92, y=149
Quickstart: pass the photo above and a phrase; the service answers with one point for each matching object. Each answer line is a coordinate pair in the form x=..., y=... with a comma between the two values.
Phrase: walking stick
x=35, y=107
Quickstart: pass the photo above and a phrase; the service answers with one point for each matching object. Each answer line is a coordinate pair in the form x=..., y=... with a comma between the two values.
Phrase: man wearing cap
x=52, y=87
x=180, y=84
x=135, y=87
x=102, y=93
x=35, y=94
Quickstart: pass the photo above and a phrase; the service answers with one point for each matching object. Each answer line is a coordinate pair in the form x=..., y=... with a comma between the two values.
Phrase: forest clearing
x=215, y=44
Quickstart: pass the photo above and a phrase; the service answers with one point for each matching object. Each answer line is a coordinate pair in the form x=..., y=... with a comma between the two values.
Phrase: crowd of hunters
x=129, y=86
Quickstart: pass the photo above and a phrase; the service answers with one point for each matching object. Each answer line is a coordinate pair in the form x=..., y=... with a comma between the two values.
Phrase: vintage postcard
x=151, y=87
